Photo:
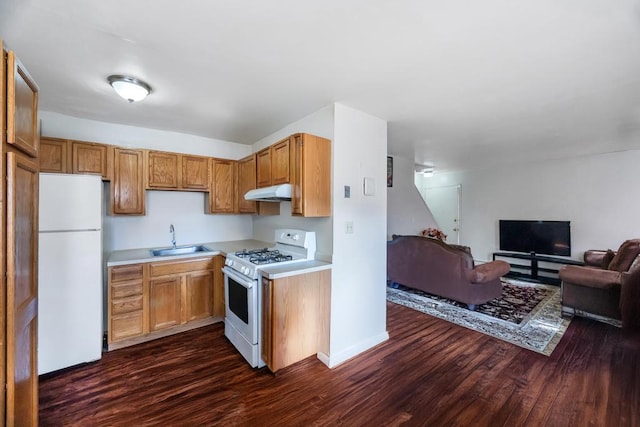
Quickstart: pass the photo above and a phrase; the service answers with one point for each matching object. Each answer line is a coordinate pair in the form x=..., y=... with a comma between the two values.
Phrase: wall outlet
x=347, y=192
x=348, y=227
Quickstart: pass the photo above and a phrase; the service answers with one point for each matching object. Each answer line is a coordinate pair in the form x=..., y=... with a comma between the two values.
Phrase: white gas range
x=243, y=293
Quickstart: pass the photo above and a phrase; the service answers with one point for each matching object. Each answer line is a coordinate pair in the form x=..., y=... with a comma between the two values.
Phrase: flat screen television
x=541, y=237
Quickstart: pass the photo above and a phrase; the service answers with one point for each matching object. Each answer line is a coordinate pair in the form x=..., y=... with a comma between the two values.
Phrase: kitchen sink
x=179, y=250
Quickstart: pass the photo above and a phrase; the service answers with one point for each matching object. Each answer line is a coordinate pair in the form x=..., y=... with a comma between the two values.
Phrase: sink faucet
x=172, y=230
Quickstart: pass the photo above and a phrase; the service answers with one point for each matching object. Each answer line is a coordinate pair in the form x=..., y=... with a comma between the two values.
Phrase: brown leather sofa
x=441, y=269
x=608, y=283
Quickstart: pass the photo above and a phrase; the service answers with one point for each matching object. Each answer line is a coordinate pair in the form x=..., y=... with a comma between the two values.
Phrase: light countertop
x=276, y=271
x=134, y=256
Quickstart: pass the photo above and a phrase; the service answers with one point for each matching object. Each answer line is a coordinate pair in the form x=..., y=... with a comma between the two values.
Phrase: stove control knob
x=229, y=262
x=243, y=269
x=296, y=236
x=249, y=271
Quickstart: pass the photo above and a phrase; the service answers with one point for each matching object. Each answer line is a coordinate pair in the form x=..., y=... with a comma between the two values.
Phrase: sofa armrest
x=590, y=277
x=489, y=271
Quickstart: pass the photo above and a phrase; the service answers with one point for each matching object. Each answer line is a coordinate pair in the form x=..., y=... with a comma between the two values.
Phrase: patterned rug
x=527, y=314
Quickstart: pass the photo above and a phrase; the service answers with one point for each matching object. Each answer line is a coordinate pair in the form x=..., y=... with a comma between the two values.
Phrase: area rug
x=527, y=314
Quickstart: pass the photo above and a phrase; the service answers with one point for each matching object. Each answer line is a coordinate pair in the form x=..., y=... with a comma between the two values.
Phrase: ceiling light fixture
x=426, y=171
x=129, y=88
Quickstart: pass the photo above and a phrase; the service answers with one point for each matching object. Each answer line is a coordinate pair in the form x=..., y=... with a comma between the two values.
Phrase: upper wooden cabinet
x=67, y=156
x=91, y=158
x=273, y=164
x=310, y=175
x=55, y=155
x=163, y=170
x=221, y=198
x=246, y=182
x=174, y=171
x=263, y=168
x=195, y=173
x=127, y=188
x=22, y=108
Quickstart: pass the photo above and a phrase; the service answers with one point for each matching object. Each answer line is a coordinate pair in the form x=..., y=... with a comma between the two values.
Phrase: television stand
x=531, y=272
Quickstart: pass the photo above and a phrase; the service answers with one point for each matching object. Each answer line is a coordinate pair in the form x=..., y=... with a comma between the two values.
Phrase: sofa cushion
x=590, y=277
x=628, y=251
x=635, y=265
x=607, y=258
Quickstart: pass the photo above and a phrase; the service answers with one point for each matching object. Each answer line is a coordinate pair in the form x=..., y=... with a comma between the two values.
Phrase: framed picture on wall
x=389, y=171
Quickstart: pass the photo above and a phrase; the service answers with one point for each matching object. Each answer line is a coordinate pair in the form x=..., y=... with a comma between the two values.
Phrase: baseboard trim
x=333, y=360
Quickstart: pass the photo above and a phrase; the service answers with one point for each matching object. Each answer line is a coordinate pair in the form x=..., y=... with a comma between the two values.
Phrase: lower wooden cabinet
x=295, y=318
x=156, y=299
x=165, y=305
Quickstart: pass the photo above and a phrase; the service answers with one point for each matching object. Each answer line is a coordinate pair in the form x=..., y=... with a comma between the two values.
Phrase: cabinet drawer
x=126, y=326
x=126, y=289
x=126, y=305
x=126, y=273
x=165, y=268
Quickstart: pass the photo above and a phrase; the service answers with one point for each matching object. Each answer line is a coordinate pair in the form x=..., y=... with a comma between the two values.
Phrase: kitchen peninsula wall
x=182, y=209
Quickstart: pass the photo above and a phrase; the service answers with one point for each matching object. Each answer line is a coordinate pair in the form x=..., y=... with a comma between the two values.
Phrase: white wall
x=596, y=193
x=407, y=212
x=184, y=210
x=61, y=126
x=321, y=124
x=358, y=293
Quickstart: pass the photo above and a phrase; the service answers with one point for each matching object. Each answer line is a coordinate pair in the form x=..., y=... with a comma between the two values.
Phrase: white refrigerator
x=69, y=271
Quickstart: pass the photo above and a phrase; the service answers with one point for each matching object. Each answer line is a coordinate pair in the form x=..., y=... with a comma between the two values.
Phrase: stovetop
x=291, y=246
x=263, y=256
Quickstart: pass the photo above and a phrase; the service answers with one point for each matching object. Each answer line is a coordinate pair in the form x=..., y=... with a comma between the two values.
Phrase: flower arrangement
x=434, y=233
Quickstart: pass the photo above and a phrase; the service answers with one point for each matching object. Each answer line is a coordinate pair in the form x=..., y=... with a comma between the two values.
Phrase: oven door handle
x=241, y=280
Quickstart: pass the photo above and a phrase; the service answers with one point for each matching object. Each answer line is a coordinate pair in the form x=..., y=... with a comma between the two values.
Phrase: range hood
x=275, y=193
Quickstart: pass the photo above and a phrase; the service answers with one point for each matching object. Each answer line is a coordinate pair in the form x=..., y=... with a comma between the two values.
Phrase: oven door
x=241, y=304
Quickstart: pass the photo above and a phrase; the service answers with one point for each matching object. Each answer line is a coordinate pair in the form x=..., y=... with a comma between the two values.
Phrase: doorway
x=444, y=204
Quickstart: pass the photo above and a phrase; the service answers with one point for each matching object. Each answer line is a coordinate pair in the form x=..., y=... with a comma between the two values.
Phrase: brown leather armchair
x=605, y=283
x=445, y=270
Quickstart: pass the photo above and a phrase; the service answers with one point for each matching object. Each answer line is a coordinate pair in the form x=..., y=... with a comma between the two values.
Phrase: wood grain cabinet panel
x=126, y=302
x=163, y=170
x=165, y=302
x=127, y=188
x=311, y=176
x=295, y=318
x=263, y=168
x=90, y=158
x=195, y=173
x=221, y=198
x=22, y=107
x=199, y=295
x=280, y=162
x=246, y=182
x=55, y=155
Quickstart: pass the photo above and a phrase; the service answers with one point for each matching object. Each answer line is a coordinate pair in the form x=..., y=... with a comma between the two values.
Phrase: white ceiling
x=462, y=83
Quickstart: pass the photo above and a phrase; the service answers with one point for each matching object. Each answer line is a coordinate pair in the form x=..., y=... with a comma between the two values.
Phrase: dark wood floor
x=429, y=373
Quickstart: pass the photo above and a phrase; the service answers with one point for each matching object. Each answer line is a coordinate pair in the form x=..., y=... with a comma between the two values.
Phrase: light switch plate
x=369, y=187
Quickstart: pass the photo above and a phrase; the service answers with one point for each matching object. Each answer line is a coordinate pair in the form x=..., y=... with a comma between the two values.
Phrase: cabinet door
x=127, y=189
x=195, y=172
x=218, y=286
x=21, y=289
x=280, y=162
x=90, y=158
x=246, y=182
x=199, y=295
x=55, y=155
x=164, y=302
x=222, y=186
x=163, y=170
x=311, y=180
x=22, y=107
x=263, y=159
